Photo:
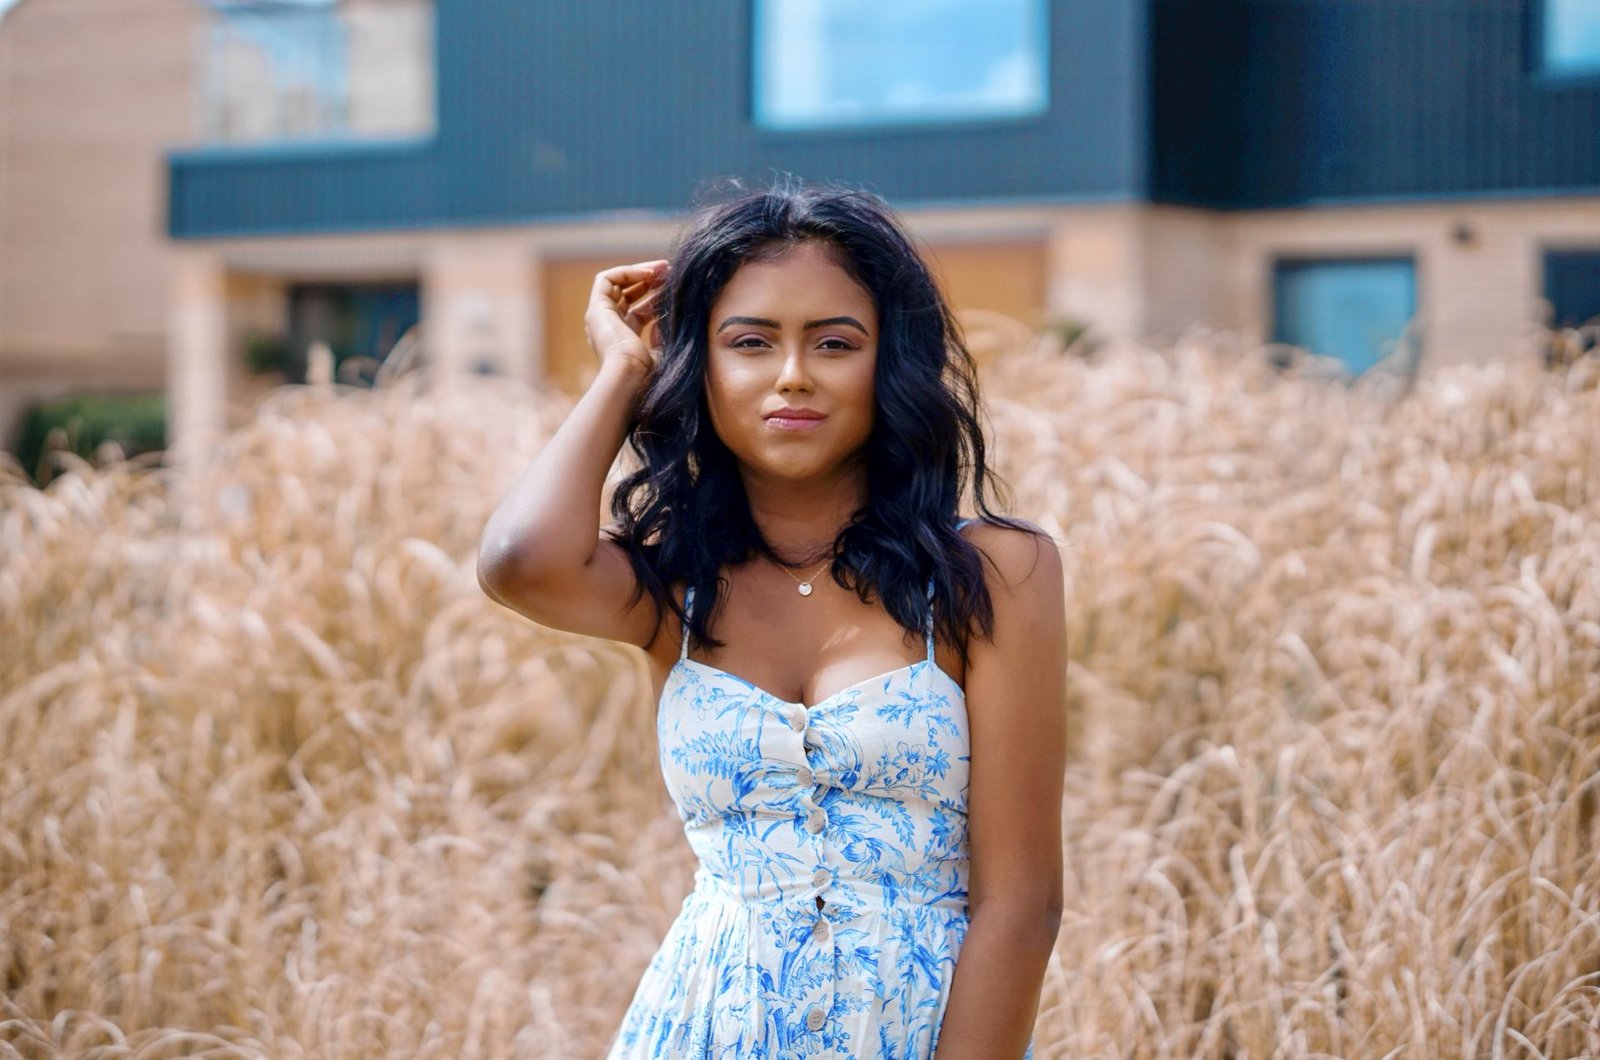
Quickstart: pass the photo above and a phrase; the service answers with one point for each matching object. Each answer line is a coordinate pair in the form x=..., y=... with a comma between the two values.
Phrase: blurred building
x=92, y=93
x=1354, y=177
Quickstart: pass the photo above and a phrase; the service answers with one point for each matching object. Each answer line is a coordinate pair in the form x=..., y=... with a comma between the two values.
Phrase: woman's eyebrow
x=763, y=322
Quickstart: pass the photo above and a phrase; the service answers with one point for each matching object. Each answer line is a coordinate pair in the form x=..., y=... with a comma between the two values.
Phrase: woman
x=870, y=791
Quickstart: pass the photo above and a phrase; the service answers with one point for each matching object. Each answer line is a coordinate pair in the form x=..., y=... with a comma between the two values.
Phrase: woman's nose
x=793, y=370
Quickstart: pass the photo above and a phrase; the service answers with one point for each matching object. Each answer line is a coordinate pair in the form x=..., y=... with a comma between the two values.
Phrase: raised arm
x=541, y=553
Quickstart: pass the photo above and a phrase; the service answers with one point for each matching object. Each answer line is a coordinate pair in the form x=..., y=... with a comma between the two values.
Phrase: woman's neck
x=801, y=520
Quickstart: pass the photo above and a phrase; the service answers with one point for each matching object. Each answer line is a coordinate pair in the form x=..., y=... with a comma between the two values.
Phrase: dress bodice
x=870, y=783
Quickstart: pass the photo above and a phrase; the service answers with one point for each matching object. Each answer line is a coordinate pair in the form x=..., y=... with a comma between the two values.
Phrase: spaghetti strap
x=688, y=607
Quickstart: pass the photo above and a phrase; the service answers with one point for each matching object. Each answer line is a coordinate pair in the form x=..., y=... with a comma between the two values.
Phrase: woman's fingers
x=635, y=302
x=620, y=287
x=629, y=273
x=607, y=281
x=644, y=308
x=622, y=306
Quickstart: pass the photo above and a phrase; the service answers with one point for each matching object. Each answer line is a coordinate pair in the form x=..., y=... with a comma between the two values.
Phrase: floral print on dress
x=859, y=800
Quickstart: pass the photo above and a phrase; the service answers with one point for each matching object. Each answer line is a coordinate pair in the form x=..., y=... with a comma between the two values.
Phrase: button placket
x=815, y=820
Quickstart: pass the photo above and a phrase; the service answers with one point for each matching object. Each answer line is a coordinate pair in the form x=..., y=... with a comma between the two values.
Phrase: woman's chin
x=784, y=467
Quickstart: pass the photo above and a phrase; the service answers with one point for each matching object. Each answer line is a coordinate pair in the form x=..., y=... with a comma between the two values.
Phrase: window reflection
x=307, y=69
x=1354, y=310
x=830, y=63
x=1572, y=35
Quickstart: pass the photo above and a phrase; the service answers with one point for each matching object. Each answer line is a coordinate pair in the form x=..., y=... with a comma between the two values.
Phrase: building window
x=1353, y=309
x=842, y=63
x=315, y=69
x=1572, y=284
x=359, y=322
x=1570, y=33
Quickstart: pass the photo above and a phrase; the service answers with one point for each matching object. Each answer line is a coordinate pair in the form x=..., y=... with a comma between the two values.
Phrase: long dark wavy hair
x=684, y=513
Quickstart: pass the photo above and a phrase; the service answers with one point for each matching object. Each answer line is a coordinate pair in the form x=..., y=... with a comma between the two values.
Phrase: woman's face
x=792, y=331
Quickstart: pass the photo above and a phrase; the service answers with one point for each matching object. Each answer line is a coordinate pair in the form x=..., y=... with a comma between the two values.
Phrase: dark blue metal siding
x=353, y=187
x=1341, y=100
x=549, y=110
x=1197, y=52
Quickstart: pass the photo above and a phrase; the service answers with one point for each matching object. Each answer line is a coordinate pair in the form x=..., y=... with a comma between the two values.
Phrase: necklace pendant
x=805, y=588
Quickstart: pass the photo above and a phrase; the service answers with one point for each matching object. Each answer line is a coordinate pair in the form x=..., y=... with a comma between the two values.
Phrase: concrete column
x=197, y=352
x=1095, y=259
x=1189, y=273
x=480, y=307
x=1477, y=296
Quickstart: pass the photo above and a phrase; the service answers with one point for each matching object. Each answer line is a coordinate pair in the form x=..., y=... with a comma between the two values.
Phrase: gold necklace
x=805, y=586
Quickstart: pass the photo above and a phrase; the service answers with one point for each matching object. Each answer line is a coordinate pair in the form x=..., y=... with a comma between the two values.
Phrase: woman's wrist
x=625, y=371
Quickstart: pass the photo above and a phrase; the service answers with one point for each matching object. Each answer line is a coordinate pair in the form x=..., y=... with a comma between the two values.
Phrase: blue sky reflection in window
x=841, y=63
x=1572, y=36
x=277, y=68
x=1353, y=310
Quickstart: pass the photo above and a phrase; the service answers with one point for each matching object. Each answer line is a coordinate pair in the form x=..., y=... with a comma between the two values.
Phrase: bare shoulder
x=1027, y=563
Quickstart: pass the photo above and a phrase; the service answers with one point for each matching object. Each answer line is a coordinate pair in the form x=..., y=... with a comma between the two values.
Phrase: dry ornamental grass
x=278, y=780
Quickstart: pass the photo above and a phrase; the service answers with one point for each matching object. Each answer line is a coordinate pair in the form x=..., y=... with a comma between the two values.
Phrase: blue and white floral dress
x=830, y=901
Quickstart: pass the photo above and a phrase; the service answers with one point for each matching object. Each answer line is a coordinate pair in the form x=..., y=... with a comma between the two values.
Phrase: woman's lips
x=785, y=423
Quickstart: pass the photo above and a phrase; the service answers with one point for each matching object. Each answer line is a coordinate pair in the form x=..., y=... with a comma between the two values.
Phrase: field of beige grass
x=277, y=780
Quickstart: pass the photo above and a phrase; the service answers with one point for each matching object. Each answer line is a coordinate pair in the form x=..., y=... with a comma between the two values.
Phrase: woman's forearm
x=550, y=519
x=994, y=996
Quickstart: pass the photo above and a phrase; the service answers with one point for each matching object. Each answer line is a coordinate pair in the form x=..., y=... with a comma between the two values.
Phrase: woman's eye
x=751, y=342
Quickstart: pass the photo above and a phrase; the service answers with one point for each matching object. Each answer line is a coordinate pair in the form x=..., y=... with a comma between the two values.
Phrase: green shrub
x=264, y=352
x=137, y=422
